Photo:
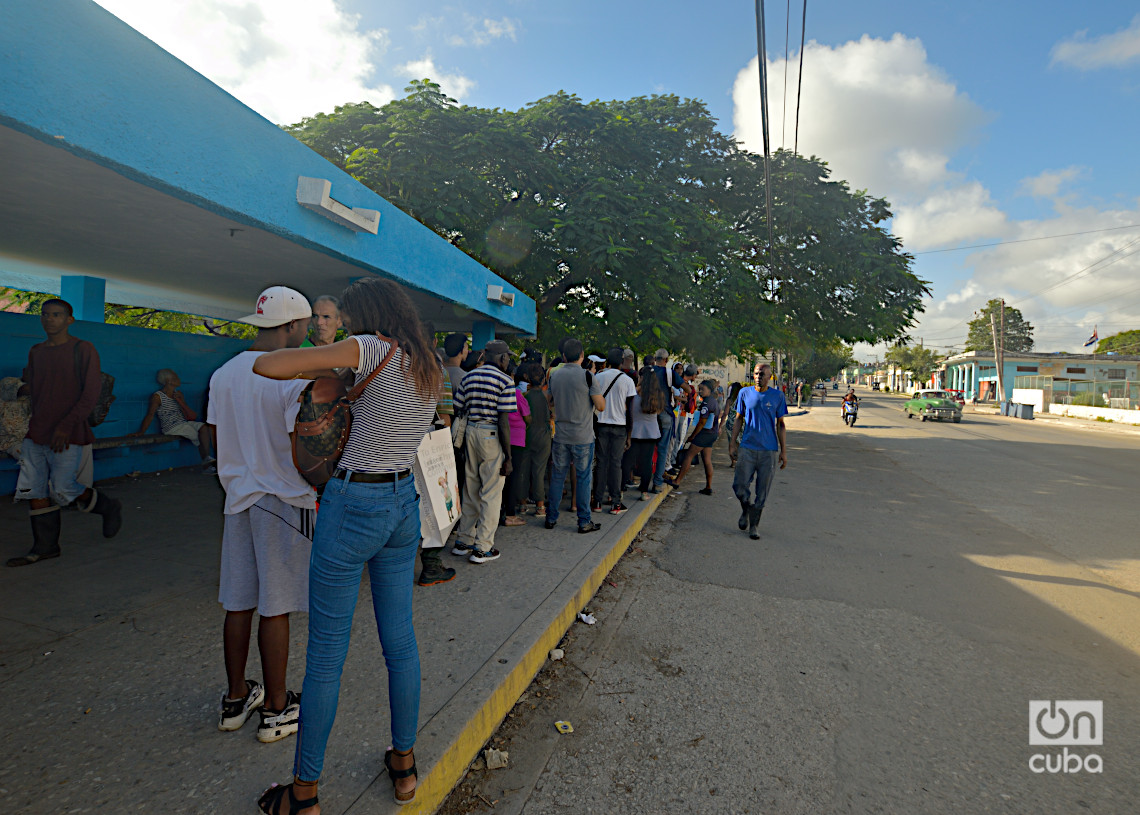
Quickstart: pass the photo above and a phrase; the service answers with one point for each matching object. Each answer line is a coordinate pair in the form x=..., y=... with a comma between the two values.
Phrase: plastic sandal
x=271, y=799
x=401, y=798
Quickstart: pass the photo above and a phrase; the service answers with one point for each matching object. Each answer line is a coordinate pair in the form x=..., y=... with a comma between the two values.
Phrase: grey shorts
x=265, y=558
x=187, y=430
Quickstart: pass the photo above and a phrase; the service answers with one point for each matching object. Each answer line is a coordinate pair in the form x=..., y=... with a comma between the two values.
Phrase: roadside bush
x=1087, y=399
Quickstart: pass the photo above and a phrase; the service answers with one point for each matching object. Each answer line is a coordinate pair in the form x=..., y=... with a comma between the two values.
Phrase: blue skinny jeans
x=360, y=524
x=563, y=457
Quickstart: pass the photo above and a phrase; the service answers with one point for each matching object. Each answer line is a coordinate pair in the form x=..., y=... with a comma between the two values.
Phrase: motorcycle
x=850, y=413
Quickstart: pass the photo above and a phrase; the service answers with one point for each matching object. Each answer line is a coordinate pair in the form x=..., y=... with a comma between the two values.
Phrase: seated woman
x=176, y=418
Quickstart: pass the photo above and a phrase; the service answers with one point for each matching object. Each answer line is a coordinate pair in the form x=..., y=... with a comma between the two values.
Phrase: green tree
x=1122, y=342
x=1018, y=331
x=137, y=316
x=635, y=222
x=920, y=361
x=823, y=362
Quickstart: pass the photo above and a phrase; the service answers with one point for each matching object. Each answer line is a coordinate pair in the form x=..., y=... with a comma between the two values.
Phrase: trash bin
x=1026, y=412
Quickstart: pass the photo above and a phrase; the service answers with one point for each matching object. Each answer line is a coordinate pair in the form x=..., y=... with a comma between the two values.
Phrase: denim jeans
x=360, y=524
x=665, y=422
x=582, y=456
x=754, y=464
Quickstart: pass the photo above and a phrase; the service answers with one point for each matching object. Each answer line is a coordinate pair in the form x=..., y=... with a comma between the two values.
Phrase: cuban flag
x=1093, y=339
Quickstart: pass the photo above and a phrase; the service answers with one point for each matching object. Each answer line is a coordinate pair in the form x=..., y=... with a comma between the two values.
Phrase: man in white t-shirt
x=269, y=516
x=615, y=425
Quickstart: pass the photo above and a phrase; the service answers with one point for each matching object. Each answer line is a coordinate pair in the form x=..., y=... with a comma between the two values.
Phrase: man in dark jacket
x=64, y=382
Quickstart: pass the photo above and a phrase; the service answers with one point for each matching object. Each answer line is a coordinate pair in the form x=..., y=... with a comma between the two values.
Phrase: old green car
x=933, y=405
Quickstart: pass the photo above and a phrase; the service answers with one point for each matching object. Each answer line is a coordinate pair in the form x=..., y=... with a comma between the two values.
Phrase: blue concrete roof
x=77, y=79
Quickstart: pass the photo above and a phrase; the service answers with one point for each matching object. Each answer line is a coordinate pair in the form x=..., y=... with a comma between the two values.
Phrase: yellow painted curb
x=434, y=788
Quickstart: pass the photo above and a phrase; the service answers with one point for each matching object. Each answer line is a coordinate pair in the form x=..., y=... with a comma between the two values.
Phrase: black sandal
x=272, y=797
x=394, y=774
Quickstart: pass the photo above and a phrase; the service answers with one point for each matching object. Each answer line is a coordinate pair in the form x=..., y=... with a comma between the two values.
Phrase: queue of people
x=591, y=424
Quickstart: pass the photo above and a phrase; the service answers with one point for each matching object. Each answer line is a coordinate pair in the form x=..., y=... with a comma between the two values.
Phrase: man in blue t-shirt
x=760, y=411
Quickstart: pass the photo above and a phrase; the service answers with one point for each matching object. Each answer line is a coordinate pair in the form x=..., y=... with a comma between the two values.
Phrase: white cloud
x=286, y=59
x=888, y=121
x=951, y=216
x=1108, y=51
x=485, y=31
x=455, y=85
x=1048, y=184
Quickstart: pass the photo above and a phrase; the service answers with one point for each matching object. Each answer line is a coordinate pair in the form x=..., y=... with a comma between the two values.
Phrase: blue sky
x=980, y=121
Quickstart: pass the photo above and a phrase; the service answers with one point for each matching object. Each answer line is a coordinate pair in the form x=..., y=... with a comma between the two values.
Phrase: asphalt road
x=917, y=585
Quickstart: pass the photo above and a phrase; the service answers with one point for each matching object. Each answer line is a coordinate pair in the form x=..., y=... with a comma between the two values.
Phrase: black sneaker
x=462, y=549
x=277, y=724
x=432, y=577
x=483, y=557
x=593, y=526
x=550, y=524
x=618, y=509
x=236, y=711
x=706, y=491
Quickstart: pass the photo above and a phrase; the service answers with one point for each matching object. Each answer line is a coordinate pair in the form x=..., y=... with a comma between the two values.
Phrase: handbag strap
x=357, y=390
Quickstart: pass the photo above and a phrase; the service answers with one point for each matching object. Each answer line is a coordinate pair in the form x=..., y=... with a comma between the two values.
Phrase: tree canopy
x=634, y=221
x=1122, y=342
x=1018, y=331
x=920, y=361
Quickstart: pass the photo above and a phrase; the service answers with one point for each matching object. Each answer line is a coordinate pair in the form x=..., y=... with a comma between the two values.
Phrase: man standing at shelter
x=574, y=396
x=760, y=411
x=615, y=427
x=64, y=382
x=487, y=395
x=326, y=321
x=664, y=418
x=269, y=516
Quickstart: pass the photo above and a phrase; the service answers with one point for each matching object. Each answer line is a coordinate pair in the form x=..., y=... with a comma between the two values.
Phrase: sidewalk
x=111, y=660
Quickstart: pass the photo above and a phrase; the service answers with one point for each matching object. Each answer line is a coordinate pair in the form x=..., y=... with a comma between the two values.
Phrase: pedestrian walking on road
x=760, y=412
x=370, y=516
x=64, y=383
x=269, y=515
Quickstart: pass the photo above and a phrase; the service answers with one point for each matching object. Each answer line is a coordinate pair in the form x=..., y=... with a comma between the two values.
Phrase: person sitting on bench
x=176, y=418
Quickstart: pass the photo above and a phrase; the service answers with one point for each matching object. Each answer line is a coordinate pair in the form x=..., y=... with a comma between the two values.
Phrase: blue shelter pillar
x=87, y=296
x=482, y=332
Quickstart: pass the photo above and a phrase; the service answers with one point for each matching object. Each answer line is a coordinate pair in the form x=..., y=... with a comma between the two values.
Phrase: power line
x=787, y=55
x=1090, y=269
x=1022, y=240
x=799, y=92
x=762, y=53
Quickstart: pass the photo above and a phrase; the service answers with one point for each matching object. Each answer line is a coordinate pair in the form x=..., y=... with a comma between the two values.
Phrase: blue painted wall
x=76, y=77
x=132, y=356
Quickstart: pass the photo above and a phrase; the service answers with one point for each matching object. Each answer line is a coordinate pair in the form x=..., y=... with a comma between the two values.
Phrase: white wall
x=1030, y=396
x=1083, y=412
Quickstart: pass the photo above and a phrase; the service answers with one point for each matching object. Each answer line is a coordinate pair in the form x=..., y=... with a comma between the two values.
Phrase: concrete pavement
x=111, y=661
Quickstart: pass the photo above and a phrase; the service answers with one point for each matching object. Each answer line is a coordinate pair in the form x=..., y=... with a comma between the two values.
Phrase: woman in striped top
x=369, y=515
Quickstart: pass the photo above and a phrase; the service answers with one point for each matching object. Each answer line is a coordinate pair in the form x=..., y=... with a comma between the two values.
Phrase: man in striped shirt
x=487, y=396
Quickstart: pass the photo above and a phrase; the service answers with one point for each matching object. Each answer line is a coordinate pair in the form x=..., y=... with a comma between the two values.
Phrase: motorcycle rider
x=850, y=399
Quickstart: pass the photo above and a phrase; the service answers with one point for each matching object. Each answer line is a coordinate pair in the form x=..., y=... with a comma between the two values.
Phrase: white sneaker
x=236, y=711
x=276, y=726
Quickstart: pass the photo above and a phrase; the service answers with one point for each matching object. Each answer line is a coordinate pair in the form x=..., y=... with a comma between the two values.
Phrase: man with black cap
x=269, y=516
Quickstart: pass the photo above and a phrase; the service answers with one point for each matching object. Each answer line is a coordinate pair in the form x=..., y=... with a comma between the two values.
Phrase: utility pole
x=1001, y=370
x=997, y=363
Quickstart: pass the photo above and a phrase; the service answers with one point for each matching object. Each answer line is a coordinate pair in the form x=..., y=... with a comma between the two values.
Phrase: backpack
x=106, y=397
x=324, y=421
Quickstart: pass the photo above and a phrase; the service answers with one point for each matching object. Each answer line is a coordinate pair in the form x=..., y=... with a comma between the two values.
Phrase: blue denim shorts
x=45, y=473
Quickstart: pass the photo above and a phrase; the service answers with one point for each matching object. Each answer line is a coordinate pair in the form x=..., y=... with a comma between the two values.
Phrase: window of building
x=1074, y=370
x=1116, y=373
x=1030, y=368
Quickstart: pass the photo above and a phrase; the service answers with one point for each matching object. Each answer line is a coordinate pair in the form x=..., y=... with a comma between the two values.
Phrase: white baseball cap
x=278, y=305
x=596, y=358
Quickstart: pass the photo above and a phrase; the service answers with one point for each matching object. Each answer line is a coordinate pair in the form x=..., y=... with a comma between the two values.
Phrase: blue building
x=131, y=178
x=975, y=373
